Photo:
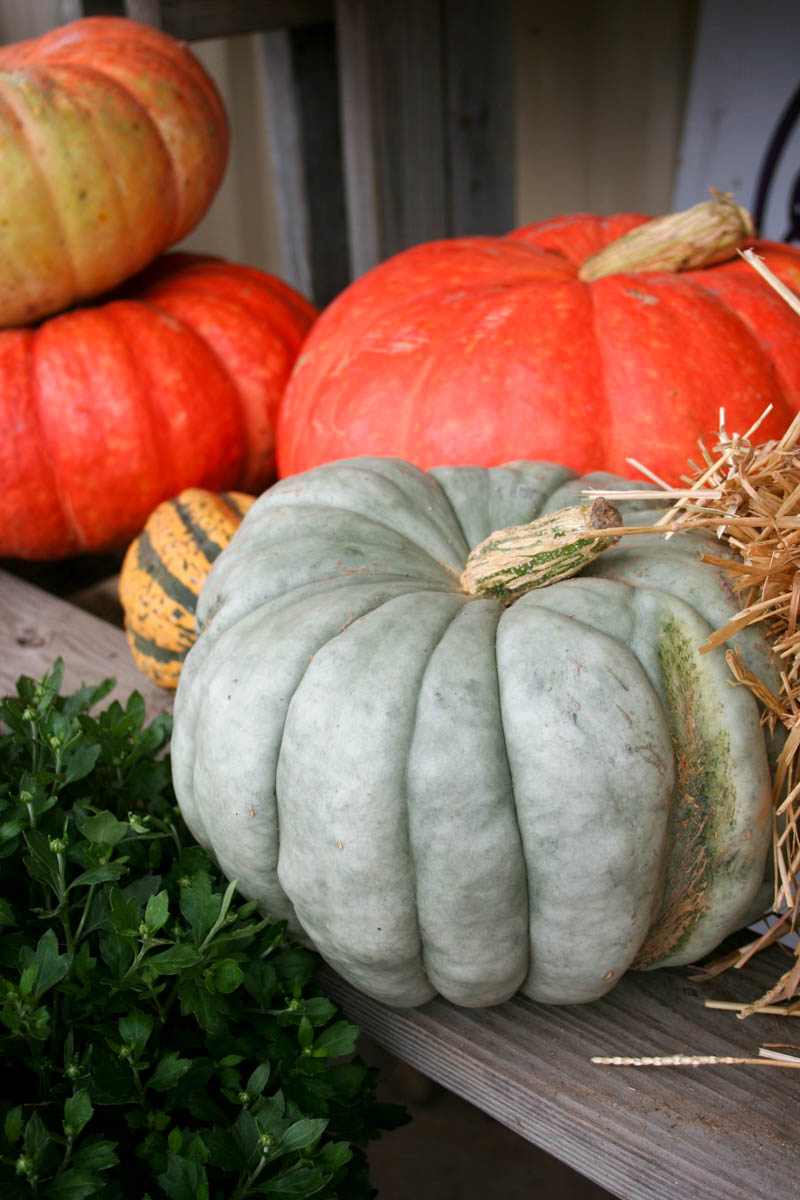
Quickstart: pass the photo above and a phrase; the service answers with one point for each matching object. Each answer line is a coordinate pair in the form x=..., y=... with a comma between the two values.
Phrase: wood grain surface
x=688, y=1133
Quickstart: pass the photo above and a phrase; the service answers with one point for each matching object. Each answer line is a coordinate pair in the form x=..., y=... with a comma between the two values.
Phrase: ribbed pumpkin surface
x=480, y=350
x=163, y=571
x=446, y=794
x=114, y=141
x=107, y=411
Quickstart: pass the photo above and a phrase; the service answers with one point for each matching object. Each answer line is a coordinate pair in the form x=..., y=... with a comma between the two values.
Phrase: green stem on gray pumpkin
x=707, y=233
x=520, y=558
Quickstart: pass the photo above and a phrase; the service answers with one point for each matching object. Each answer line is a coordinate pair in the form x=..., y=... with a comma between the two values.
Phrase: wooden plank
x=36, y=628
x=648, y=1134
x=393, y=89
x=479, y=116
x=652, y=1133
x=427, y=122
x=195, y=20
x=303, y=117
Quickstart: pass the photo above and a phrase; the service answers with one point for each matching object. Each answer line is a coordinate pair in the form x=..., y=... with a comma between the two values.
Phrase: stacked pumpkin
x=124, y=376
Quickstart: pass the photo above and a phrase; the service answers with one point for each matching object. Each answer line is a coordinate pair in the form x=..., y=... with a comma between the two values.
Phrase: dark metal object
x=769, y=164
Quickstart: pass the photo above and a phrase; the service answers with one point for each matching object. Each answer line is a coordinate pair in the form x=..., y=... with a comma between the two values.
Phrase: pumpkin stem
x=513, y=561
x=707, y=233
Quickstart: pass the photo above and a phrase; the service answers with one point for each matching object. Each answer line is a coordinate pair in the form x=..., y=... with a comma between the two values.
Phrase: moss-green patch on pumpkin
x=702, y=797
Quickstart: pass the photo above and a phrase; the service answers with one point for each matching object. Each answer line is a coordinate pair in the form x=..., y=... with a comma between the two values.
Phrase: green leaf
x=209, y=1011
x=156, y=914
x=227, y=975
x=124, y=913
x=169, y=1070
x=199, y=905
x=74, y=1184
x=271, y=1117
x=303, y=1181
x=261, y=981
x=258, y=1080
x=305, y=1033
x=36, y=1136
x=80, y=763
x=336, y=1040
x=135, y=1029
x=318, y=1009
x=12, y=1126
x=334, y=1155
x=96, y=1156
x=105, y=873
x=116, y=953
x=27, y=980
x=51, y=967
x=42, y=862
x=174, y=960
x=104, y=829
x=302, y=1134
x=77, y=1112
x=246, y=1135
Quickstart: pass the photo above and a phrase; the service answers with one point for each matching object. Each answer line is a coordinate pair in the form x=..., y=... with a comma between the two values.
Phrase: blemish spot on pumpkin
x=608, y=975
x=644, y=297
x=340, y=845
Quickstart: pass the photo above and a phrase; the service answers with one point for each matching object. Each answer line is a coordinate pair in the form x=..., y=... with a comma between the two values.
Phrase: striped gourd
x=163, y=571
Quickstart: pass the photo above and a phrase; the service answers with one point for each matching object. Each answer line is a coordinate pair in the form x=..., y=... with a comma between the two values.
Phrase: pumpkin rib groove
x=39, y=438
x=24, y=419
x=385, y=481
x=601, y=427
x=574, y=836
x=46, y=188
x=776, y=366
x=147, y=418
x=74, y=530
x=322, y=797
x=193, y=332
x=380, y=525
x=474, y=944
x=85, y=70
x=251, y=476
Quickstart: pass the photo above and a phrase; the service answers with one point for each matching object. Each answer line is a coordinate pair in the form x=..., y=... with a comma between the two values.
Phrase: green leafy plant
x=157, y=1035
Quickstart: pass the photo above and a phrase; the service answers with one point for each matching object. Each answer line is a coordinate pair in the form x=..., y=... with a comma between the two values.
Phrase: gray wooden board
x=683, y=1133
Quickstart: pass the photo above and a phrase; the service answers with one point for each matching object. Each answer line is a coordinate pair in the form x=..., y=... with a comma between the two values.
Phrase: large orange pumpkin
x=114, y=141
x=108, y=410
x=483, y=350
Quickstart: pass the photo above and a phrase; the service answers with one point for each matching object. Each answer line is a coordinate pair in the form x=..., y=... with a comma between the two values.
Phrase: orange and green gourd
x=163, y=571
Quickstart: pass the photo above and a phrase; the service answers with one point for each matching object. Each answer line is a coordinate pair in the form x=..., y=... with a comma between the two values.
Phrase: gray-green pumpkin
x=456, y=795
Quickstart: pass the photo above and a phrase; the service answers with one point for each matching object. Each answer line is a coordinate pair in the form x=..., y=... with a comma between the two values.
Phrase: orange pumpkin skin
x=106, y=411
x=485, y=350
x=114, y=143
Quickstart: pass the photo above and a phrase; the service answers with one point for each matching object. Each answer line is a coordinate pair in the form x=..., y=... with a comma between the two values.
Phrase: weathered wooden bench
x=727, y=1131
